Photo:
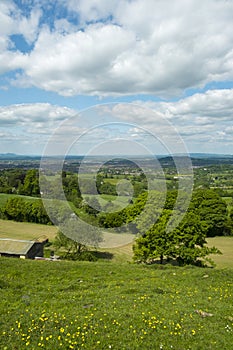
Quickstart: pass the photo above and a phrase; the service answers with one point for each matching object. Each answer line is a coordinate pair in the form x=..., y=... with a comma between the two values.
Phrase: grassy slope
x=68, y=305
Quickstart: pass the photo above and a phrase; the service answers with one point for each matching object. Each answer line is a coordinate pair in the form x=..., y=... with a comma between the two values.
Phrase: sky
x=158, y=68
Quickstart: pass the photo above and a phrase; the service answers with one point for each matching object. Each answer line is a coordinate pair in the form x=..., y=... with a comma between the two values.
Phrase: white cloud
x=77, y=62
x=26, y=128
x=35, y=116
x=203, y=121
x=124, y=47
x=13, y=22
x=30, y=126
x=200, y=118
x=28, y=27
x=211, y=106
x=93, y=10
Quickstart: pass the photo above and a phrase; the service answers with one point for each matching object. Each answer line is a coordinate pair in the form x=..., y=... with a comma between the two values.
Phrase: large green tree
x=185, y=243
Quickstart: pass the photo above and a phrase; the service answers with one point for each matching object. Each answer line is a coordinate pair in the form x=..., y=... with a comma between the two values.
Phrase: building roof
x=15, y=246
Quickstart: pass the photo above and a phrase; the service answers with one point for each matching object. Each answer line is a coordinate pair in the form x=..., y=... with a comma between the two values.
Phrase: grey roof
x=15, y=246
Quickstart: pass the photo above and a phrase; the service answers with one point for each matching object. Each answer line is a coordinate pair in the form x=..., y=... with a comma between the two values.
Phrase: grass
x=25, y=230
x=119, y=254
x=113, y=305
x=225, y=245
x=70, y=305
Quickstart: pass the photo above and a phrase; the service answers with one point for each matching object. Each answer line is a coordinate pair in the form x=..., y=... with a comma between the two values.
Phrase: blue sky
x=175, y=58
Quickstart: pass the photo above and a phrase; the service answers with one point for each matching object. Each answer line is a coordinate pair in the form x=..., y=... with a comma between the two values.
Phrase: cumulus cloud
x=14, y=22
x=26, y=128
x=77, y=62
x=124, y=47
x=36, y=116
x=211, y=106
x=203, y=121
x=200, y=118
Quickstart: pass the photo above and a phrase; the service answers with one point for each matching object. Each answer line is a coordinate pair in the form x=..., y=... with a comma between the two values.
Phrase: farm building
x=21, y=248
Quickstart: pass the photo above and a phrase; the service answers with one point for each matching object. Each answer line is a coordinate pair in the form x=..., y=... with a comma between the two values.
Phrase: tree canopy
x=186, y=243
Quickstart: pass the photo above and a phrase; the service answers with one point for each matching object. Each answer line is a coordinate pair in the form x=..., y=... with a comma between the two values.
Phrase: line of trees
x=206, y=205
x=19, y=209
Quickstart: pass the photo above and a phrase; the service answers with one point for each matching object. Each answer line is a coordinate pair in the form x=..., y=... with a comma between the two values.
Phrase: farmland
x=120, y=253
x=114, y=303
x=25, y=230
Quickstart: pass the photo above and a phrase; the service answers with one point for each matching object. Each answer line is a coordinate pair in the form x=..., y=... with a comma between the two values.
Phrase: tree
x=212, y=211
x=15, y=209
x=31, y=183
x=115, y=219
x=62, y=241
x=92, y=206
x=71, y=187
x=155, y=243
x=76, y=237
x=190, y=237
x=19, y=209
x=186, y=243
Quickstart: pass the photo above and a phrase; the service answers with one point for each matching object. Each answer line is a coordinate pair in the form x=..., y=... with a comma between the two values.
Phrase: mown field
x=225, y=245
x=25, y=230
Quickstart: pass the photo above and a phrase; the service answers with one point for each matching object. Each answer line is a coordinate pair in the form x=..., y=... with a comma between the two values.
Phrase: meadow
x=113, y=303
x=103, y=305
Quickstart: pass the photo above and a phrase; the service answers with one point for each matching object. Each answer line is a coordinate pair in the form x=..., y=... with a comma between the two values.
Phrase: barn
x=21, y=248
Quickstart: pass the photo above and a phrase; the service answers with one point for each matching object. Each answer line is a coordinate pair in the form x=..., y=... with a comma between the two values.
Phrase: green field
x=225, y=245
x=121, y=201
x=25, y=230
x=112, y=303
x=81, y=305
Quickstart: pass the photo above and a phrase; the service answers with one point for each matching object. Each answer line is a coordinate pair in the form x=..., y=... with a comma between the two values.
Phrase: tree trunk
x=161, y=259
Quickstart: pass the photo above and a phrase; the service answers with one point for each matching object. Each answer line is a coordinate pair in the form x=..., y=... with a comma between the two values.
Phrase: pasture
x=225, y=245
x=25, y=230
x=112, y=303
x=102, y=305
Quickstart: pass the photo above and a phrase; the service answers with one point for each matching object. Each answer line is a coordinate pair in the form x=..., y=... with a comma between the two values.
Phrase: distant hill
x=198, y=159
x=12, y=156
x=210, y=155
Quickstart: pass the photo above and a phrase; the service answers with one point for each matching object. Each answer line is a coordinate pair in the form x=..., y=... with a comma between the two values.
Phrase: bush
x=82, y=256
